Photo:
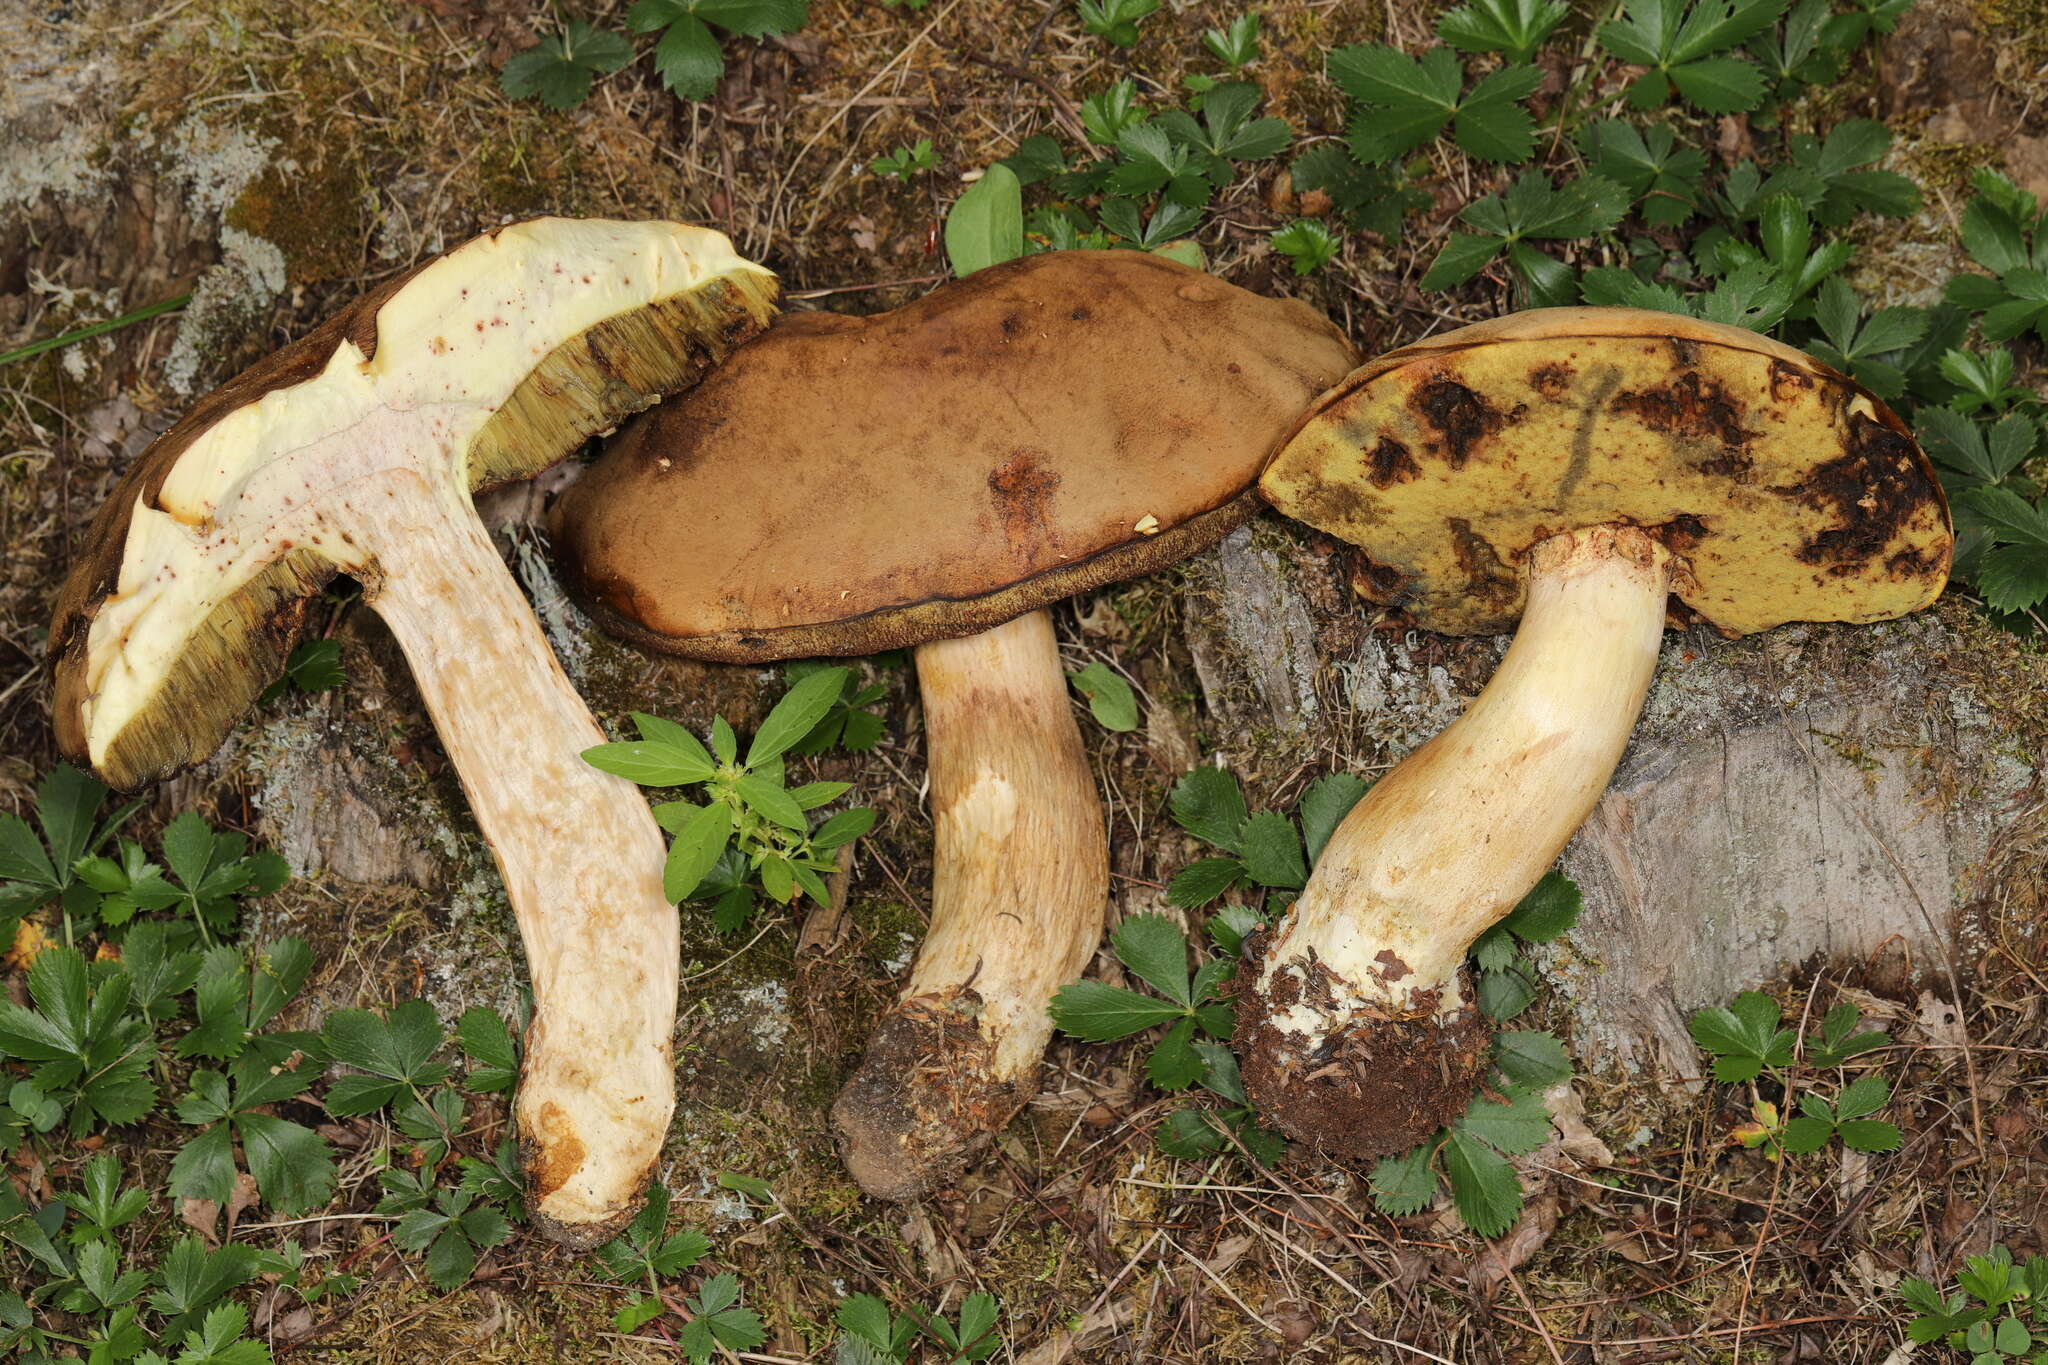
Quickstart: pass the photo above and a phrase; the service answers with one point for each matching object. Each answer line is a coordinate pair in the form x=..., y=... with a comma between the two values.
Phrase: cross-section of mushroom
x=355, y=450
x=1573, y=469
x=932, y=477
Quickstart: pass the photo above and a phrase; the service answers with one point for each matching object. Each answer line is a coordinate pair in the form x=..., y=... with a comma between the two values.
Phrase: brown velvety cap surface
x=844, y=485
x=1788, y=491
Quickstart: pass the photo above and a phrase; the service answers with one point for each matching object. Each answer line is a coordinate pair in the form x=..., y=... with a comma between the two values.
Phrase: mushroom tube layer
x=1573, y=469
x=355, y=450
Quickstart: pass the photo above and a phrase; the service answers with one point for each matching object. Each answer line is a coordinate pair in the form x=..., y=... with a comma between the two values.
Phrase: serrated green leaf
x=1271, y=851
x=1103, y=1013
x=1208, y=803
x=1153, y=948
x=1403, y=1185
x=1532, y=1059
x=1484, y=1188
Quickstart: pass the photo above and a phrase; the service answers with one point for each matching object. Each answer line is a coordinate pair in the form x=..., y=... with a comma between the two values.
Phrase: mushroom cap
x=845, y=485
x=1787, y=491
x=486, y=364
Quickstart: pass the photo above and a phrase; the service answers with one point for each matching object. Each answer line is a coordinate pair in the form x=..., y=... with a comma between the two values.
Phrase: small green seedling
x=2005, y=230
x=1116, y=20
x=209, y=874
x=907, y=160
x=1264, y=849
x=642, y=1253
x=40, y=871
x=1506, y=983
x=1532, y=209
x=1507, y=1118
x=753, y=832
x=558, y=70
x=292, y=1165
x=1110, y=699
x=314, y=666
x=1236, y=46
x=1404, y=103
x=1993, y=1318
x=1748, y=1042
x=688, y=56
x=92, y=1057
x=1661, y=174
x=1307, y=244
x=452, y=1230
x=1513, y=28
x=1153, y=949
x=1688, y=45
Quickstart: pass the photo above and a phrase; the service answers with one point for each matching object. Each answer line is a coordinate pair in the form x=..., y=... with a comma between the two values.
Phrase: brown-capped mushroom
x=355, y=450
x=933, y=477
x=1573, y=469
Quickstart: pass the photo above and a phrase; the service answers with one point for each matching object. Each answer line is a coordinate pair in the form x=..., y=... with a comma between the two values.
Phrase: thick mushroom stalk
x=1353, y=1022
x=1020, y=879
x=355, y=450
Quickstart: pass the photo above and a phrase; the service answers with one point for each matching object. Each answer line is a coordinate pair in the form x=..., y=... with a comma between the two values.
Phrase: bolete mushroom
x=934, y=477
x=355, y=450
x=1573, y=468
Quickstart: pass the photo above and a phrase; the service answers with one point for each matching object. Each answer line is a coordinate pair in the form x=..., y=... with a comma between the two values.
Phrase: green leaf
x=843, y=828
x=559, y=69
x=396, y=1048
x=1407, y=101
x=1403, y=1185
x=1806, y=1134
x=1110, y=698
x=1484, y=1188
x=649, y=764
x=1520, y=1125
x=1202, y=881
x=1462, y=257
x=1536, y=1060
x=1156, y=952
x=1229, y=926
x=1549, y=910
x=1174, y=1063
x=292, y=1164
x=1515, y=28
x=986, y=224
x=1325, y=804
x=66, y=801
x=1490, y=124
x=487, y=1041
x=1102, y=1013
x=1272, y=851
x=1869, y=1135
x=1720, y=85
x=696, y=851
x=801, y=708
x=1503, y=995
x=1208, y=804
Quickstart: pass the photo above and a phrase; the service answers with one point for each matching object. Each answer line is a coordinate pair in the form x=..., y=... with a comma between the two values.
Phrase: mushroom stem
x=1356, y=1032
x=1020, y=879
x=579, y=851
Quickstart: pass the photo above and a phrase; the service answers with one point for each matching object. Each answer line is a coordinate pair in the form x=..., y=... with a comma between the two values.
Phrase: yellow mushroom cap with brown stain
x=844, y=485
x=1788, y=492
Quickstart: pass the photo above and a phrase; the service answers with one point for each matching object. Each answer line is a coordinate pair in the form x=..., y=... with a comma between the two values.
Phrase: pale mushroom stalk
x=1020, y=879
x=1445, y=845
x=578, y=850
x=356, y=450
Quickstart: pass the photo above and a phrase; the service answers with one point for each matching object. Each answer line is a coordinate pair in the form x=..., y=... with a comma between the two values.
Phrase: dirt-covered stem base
x=1020, y=879
x=1352, y=1021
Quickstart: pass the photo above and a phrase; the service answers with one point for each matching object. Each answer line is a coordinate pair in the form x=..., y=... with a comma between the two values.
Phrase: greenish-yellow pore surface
x=1788, y=493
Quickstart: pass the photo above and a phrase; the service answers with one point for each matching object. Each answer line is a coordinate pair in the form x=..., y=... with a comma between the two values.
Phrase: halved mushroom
x=355, y=450
x=1573, y=468
x=847, y=485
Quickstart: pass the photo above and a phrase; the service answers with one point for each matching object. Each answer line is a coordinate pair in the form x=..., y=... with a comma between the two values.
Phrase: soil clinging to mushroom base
x=928, y=1078
x=1374, y=1086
